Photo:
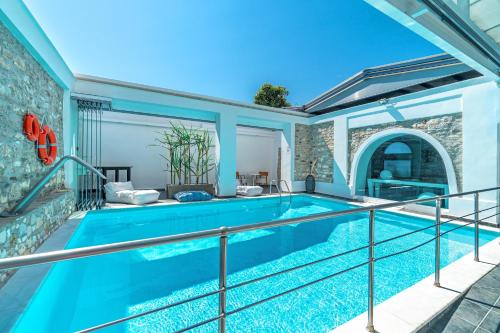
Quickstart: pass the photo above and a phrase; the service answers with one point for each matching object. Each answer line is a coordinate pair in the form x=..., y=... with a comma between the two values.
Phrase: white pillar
x=287, y=155
x=480, y=118
x=70, y=125
x=226, y=155
x=341, y=158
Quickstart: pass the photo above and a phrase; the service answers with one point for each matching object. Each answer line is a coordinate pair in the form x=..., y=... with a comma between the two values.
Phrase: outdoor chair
x=262, y=178
x=242, y=180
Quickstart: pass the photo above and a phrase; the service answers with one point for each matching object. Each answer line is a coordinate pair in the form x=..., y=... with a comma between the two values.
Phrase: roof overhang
x=448, y=25
x=143, y=99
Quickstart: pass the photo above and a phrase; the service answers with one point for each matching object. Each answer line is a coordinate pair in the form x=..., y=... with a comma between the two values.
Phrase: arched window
x=397, y=148
x=397, y=159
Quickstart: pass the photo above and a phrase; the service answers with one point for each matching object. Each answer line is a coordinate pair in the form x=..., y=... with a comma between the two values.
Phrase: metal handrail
x=287, y=188
x=224, y=232
x=432, y=226
x=277, y=187
x=21, y=206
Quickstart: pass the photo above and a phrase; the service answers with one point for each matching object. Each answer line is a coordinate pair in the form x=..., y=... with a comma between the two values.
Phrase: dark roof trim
x=403, y=91
x=431, y=62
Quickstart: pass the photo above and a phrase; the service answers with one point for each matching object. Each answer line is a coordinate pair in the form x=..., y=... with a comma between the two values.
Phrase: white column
x=287, y=156
x=341, y=158
x=226, y=154
x=480, y=147
x=70, y=125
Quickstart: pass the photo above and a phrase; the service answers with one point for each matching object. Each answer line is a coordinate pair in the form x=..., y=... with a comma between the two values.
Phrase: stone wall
x=447, y=129
x=303, y=146
x=24, y=87
x=314, y=143
x=22, y=235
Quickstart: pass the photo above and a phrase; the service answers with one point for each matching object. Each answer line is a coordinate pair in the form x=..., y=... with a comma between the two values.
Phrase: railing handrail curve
x=22, y=204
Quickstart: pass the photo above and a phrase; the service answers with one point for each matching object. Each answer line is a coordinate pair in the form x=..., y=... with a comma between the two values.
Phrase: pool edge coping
x=412, y=308
x=29, y=279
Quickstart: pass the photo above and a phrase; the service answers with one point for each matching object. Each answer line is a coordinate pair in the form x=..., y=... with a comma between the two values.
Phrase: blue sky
x=226, y=48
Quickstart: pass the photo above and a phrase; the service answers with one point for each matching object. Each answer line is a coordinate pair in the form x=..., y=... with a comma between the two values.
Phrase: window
x=397, y=159
x=397, y=148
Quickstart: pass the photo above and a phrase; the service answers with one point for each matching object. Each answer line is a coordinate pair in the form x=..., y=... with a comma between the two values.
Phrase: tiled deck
x=478, y=311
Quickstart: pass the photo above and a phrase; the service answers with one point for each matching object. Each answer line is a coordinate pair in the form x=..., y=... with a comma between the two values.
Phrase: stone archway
x=365, y=151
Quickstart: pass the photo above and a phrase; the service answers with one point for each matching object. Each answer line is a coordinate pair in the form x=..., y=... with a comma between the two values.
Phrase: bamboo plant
x=187, y=154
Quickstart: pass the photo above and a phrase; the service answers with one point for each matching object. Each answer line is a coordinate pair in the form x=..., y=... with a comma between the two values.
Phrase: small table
x=374, y=185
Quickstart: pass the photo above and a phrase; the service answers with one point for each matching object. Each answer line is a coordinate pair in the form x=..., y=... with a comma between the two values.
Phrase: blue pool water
x=86, y=292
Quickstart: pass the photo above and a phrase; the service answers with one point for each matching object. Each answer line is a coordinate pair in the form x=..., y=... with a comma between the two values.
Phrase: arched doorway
x=402, y=164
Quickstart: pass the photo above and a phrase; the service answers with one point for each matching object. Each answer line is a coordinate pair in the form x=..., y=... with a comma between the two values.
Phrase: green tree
x=270, y=95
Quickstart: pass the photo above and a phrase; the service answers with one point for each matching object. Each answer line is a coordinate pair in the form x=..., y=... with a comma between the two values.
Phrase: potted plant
x=188, y=159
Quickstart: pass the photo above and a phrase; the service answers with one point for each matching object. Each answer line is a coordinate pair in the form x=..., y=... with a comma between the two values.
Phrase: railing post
x=222, y=279
x=437, y=259
x=371, y=271
x=476, y=226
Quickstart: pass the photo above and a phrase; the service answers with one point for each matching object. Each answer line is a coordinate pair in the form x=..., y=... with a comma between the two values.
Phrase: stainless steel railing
x=26, y=200
x=278, y=187
x=287, y=188
x=274, y=181
x=224, y=232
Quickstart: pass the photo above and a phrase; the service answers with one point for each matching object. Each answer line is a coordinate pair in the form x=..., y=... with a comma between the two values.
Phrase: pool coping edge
x=411, y=309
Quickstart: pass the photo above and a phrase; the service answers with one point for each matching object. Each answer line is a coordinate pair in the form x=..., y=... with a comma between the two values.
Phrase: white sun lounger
x=249, y=191
x=124, y=192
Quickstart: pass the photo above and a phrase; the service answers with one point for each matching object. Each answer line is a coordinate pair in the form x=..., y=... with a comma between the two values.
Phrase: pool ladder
x=278, y=187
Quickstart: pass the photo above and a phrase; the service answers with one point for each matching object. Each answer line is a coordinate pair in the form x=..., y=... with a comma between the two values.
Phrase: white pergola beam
x=415, y=16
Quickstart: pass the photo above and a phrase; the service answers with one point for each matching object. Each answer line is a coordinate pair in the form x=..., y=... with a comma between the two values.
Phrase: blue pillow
x=186, y=196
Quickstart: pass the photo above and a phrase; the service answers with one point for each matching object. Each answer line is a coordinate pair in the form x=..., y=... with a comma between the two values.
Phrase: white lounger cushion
x=123, y=192
x=249, y=191
x=138, y=197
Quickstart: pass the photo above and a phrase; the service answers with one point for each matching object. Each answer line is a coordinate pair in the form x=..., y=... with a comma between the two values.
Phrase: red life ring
x=48, y=156
x=31, y=127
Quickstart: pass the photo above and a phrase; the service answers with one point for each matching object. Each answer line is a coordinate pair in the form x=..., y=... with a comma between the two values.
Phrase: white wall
x=126, y=140
x=257, y=150
x=133, y=98
x=477, y=100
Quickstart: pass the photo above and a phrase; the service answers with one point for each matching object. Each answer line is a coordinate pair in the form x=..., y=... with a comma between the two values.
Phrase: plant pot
x=171, y=190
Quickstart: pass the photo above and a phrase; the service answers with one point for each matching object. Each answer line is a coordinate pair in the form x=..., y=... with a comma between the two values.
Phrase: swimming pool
x=85, y=292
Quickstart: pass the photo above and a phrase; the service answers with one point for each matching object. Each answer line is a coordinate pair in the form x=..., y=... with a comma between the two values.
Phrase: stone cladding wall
x=23, y=234
x=24, y=87
x=312, y=143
